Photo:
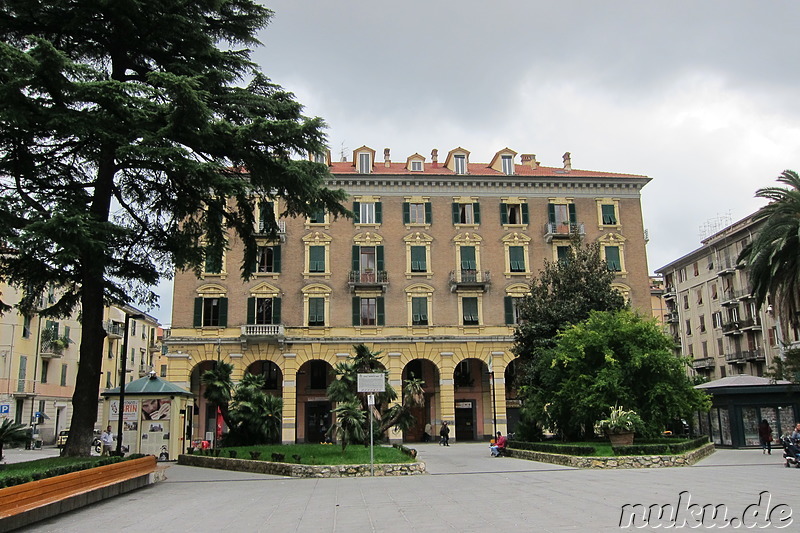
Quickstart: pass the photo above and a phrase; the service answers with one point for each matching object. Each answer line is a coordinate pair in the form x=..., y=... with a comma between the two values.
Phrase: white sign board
x=373, y=382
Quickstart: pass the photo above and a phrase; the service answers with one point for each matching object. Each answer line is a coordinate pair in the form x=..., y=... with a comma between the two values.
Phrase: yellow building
x=39, y=361
x=427, y=273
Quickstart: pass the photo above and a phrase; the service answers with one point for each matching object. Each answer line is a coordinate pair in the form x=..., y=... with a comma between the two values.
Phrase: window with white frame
x=364, y=163
x=417, y=213
x=416, y=166
x=513, y=213
x=367, y=212
x=460, y=162
x=268, y=259
x=508, y=164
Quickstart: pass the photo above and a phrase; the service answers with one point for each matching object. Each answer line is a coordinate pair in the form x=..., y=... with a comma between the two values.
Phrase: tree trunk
x=87, y=381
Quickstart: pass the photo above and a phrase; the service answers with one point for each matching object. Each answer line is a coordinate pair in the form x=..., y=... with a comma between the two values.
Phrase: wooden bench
x=28, y=496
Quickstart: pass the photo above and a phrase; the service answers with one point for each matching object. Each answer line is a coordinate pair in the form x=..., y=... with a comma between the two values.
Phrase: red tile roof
x=475, y=169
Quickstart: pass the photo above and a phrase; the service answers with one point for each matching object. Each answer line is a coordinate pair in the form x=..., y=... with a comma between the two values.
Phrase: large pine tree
x=126, y=128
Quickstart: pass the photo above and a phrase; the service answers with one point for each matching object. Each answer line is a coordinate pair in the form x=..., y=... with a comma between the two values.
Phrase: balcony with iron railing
x=562, y=231
x=670, y=293
x=750, y=323
x=732, y=328
x=24, y=387
x=469, y=279
x=262, y=331
x=755, y=355
x=703, y=363
x=671, y=317
x=262, y=230
x=726, y=266
x=736, y=358
x=368, y=279
x=144, y=370
x=114, y=330
x=732, y=296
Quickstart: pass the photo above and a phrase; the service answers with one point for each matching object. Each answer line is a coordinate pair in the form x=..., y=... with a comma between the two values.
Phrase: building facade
x=427, y=273
x=39, y=361
x=711, y=314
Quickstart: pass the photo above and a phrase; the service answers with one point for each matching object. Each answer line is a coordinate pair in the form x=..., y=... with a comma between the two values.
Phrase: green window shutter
x=609, y=216
x=381, y=311
x=503, y=213
x=476, y=212
x=66, y=331
x=379, y=262
x=356, y=311
x=316, y=259
x=612, y=258
x=276, y=310
x=356, y=258
x=406, y=213
x=470, y=308
x=378, y=213
x=516, y=258
x=356, y=212
x=418, y=259
x=223, y=312
x=276, y=258
x=419, y=311
x=508, y=303
x=251, y=310
x=468, y=258
x=456, y=217
x=572, y=218
x=198, y=312
x=525, y=217
x=428, y=213
x=551, y=213
x=563, y=253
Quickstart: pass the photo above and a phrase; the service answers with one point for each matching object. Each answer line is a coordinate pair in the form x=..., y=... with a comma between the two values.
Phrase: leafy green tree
x=611, y=359
x=134, y=136
x=564, y=293
x=11, y=433
x=219, y=386
x=255, y=415
x=344, y=390
x=773, y=257
x=786, y=367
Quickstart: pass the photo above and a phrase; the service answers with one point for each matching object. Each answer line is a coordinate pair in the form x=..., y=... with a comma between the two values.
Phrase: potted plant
x=620, y=426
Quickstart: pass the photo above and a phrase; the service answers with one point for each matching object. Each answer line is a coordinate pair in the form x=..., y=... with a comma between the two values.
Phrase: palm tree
x=350, y=419
x=773, y=257
x=218, y=388
x=255, y=415
x=11, y=433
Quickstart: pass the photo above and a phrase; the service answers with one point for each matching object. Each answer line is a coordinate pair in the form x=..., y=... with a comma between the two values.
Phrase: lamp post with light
x=123, y=370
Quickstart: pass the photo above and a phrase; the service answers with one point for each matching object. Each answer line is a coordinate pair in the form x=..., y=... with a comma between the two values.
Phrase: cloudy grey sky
x=702, y=96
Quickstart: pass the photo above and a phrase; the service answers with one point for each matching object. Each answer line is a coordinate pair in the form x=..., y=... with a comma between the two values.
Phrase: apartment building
x=39, y=361
x=427, y=273
x=711, y=314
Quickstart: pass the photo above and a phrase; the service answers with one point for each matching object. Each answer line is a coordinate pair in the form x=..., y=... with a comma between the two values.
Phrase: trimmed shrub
x=554, y=448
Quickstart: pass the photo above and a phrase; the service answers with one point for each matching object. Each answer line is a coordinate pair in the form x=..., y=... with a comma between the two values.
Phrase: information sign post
x=371, y=383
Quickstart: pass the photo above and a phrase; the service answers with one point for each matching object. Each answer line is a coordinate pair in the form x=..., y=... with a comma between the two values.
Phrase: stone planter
x=621, y=439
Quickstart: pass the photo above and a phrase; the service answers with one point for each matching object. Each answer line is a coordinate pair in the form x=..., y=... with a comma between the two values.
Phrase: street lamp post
x=123, y=370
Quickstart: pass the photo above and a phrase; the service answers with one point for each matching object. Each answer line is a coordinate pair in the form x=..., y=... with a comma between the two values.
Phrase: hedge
x=25, y=477
x=553, y=448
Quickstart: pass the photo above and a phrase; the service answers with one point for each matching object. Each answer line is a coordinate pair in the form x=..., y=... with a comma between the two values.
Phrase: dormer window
x=460, y=161
x=508, y=164
x=416, y=166
x=364, y=163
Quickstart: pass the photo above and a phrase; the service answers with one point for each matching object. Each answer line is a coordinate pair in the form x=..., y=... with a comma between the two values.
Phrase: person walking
x=765, y=437
x=444, y=433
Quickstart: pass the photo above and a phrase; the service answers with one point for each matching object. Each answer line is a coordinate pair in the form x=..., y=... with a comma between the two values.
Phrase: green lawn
x=321, y=454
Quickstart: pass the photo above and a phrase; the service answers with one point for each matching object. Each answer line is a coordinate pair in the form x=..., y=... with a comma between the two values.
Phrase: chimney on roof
x=567, y=161
x=387, y=162
x=529, y=159
x=434, y=158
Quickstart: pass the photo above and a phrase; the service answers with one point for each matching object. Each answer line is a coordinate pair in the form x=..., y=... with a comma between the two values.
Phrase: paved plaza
x=466, y=490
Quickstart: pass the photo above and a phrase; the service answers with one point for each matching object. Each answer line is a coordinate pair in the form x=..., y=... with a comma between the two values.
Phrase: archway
x=271, y=372
x=427, y=413
x=473, y=400
x=204, y=416
x=314, y=416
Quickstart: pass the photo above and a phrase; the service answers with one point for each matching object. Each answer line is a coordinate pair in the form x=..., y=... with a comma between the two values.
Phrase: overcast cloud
x=699, y=95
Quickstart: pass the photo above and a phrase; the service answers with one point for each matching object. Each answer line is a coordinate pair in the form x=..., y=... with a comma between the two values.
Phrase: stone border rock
x=300, y=470
x=626, y=461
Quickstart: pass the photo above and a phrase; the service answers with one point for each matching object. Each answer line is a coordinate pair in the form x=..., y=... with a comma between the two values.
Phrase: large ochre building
x=427, y=273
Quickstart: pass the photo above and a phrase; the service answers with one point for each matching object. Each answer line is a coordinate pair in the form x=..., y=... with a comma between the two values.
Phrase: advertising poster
x=131, y=413
x=155, y=425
